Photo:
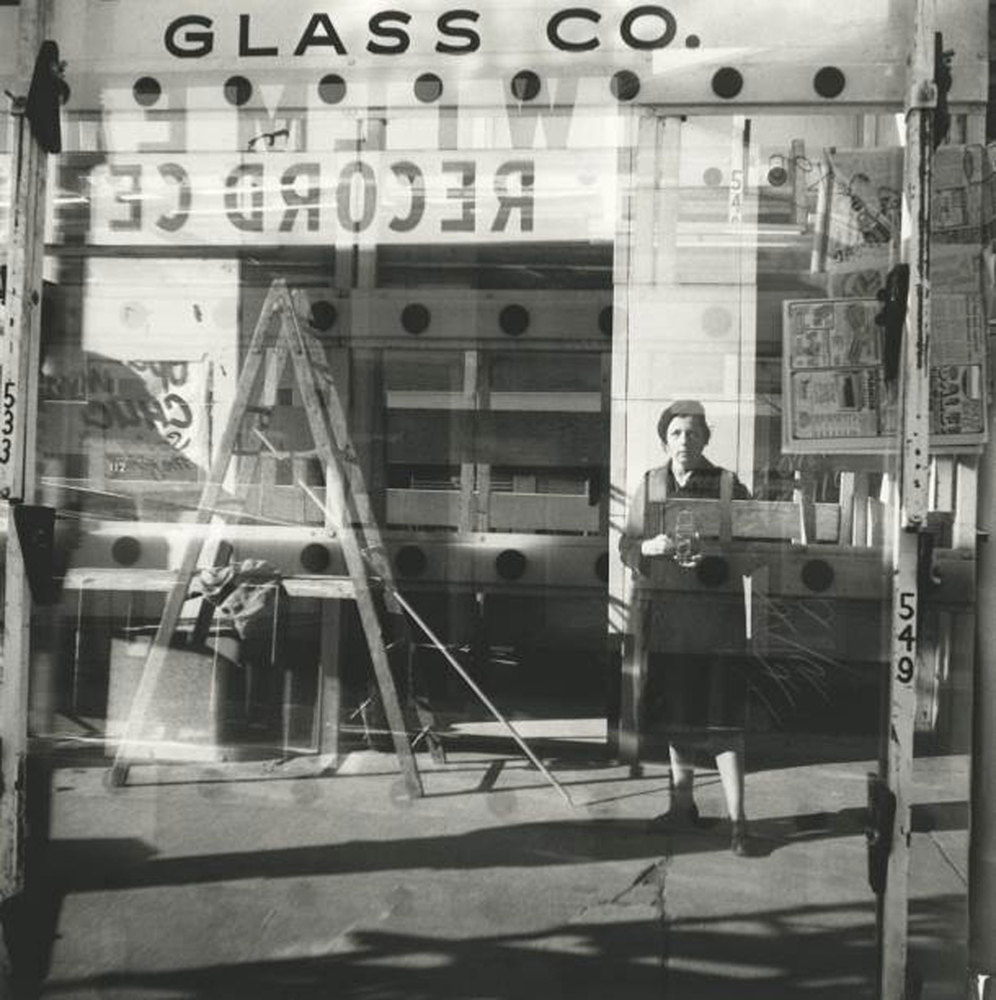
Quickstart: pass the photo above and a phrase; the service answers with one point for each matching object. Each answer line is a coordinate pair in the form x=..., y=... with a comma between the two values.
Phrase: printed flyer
x=835, y=395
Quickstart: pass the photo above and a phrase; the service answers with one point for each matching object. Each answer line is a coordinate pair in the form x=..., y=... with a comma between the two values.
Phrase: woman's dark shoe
x=677, y=818
x=740, y=839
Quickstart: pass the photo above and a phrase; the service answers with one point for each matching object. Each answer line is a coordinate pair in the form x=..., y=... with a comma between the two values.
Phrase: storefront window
x=570, y=409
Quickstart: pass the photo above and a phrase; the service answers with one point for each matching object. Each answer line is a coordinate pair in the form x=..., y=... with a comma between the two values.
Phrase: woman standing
x=702, y=699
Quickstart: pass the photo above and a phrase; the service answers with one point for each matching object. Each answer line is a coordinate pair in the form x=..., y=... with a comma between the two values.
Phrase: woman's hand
x=659, y=545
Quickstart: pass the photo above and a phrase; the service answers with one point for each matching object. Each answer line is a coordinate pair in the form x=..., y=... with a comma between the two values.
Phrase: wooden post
x=982, y=827
x=18, y=405
x=911, y=501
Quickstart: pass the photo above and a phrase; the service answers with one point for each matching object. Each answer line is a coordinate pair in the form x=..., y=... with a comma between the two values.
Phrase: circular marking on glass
x=514, y=320
x=323, y=315
x=817, y=575
x=829, y=82
x=415, y=318
x=237, y=91
x=410, y=561
x=716, y=321
x=331, y=89
x=126, y=550
x=146, y=91
x=428, y=88
x=727, y=82
x=525, y=85
x=625, y=85
x=510, y=564
x=315, y=558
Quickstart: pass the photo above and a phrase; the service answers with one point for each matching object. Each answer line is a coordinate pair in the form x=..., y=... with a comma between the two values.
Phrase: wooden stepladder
x=279, y=338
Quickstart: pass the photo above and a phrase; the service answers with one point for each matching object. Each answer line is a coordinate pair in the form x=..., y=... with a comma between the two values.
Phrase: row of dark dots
x=411, y=562
x=727, y=83
x=817, y=575
x=513, y=320
x=127, y=550
x=416, y=318
x=511, y=564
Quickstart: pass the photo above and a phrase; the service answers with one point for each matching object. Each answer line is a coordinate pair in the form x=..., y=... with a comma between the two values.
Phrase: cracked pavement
x=191, y=883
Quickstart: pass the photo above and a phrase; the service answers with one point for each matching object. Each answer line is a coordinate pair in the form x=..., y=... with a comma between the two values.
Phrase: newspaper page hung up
x=836, y=399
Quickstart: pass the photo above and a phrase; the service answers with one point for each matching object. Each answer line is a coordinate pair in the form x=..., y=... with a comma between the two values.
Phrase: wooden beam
x=911, y=501
x=19, y=350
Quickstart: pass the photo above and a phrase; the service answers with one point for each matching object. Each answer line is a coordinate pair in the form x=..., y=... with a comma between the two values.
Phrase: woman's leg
x=682, y=778
x=730, y=764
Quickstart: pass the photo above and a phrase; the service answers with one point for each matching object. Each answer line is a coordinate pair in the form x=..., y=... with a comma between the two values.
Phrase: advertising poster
x=857, y=234
x=836, y=398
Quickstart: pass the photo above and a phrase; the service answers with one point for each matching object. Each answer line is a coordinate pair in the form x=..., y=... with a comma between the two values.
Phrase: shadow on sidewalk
x=98, y=865
x=805, y=953
x=60, y=867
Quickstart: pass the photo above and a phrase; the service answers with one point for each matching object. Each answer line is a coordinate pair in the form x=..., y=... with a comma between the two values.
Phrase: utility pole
x=36, y=122
x=911, y=544
x=982, y=828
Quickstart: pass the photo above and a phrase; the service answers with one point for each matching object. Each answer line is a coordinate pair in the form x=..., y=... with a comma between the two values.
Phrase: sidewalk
x=274, y=886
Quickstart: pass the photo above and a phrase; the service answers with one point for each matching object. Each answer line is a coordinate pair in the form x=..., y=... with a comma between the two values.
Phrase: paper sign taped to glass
x=859, y=213
x=835, y=395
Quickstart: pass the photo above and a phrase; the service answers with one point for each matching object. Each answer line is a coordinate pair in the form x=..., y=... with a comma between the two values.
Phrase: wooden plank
x=757, y=596
x=802, y=496
x=330, y=588
x=963, y=531
x=846, y=504
x=860, y=509
x=759, y=519
x=19, y=352
x=942, y=482
x=877, y=516
x=911, y=502
x=118, y=580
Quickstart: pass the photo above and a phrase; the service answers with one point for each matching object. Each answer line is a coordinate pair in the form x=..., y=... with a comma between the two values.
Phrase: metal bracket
x=878, y=831
x=18, y=104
